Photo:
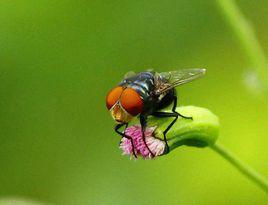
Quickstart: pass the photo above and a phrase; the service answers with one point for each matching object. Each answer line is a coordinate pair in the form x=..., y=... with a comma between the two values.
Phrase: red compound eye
x=131, y=101
x=113, y=96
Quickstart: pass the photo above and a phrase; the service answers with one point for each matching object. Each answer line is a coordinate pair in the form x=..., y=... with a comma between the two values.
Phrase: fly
x=146, y=93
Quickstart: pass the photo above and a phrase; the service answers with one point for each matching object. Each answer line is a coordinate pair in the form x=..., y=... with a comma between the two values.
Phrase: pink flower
x=157, y=146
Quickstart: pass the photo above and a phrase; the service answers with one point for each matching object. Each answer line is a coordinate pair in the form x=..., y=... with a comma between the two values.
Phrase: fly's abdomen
x=166, y=99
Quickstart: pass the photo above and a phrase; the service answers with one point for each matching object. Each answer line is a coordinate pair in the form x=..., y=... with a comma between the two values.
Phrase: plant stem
x=241, y=166
x=247, y=38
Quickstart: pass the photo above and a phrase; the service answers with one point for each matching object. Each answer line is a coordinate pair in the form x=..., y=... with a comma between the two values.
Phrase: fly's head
x=124, y=103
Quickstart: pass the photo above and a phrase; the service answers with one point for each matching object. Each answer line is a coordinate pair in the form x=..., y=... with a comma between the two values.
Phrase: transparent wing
x=168, y=80
x=129, y=74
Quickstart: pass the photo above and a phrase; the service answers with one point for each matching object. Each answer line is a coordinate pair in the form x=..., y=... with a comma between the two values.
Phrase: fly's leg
x=165, y=114
x=175, y=100
x=117, y=127
x=143, y=127
x=174, y=114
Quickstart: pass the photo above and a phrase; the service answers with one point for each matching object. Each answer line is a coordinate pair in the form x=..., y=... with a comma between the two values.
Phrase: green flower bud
x=201, y=131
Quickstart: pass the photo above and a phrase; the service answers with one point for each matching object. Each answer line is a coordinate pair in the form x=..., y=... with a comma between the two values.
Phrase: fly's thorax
x=143, y=83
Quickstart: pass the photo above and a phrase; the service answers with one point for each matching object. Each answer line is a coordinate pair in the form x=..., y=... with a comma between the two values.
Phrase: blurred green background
x=58, y=60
